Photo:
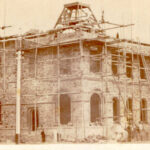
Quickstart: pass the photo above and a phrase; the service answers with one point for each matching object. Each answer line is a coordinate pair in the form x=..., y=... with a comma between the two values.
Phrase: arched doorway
x=65, y=109
x=95, y=104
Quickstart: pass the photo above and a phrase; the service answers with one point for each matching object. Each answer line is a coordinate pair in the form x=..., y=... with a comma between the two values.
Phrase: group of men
x=130, y=133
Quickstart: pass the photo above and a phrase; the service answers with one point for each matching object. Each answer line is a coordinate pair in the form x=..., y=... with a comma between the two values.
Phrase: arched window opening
x=65, y=109
x=33, y=118
x=143, y=112
x=95, y=104
x=116, y=110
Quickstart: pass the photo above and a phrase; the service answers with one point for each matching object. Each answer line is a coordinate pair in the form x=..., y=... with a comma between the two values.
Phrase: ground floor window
x=129, y=107
x=116, y=110
x=95, y=104
x=65, y=109
x=143, y=110
x=33, y=118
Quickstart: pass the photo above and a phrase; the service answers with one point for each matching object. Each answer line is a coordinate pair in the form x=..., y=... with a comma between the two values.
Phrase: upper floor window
x=114, y=63
x=142, y=68
x=65, y=66
x=95, y=60
x=129, y=65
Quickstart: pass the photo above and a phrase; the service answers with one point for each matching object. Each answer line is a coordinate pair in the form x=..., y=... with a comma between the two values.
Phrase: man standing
x=43, y=136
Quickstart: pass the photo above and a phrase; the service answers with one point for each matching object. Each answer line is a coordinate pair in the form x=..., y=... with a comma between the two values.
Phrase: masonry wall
x=40, y=87
x=43, y=90
x=7, y=91
x=109, y=86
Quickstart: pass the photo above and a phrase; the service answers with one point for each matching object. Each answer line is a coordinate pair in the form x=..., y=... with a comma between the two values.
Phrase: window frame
x=116, y=118
x=99, y=119
x=129, y=65
x=144, y=118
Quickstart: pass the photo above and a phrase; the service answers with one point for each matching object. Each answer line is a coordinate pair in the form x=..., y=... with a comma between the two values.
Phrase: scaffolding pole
x=18, y=96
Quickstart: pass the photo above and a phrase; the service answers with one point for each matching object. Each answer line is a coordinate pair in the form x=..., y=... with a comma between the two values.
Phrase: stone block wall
x=8, y=95
x=40, y=88
x=43, y=90
x=121, y=88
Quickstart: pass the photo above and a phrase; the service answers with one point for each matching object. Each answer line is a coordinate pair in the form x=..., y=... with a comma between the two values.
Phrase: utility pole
x=4, y=59
x=18, y=95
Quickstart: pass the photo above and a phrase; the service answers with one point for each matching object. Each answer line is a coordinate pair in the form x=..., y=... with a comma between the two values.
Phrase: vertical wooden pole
x=4, y=49
x=18, y=95
x=125, y=91
x=58, y=86
x=105, y=78
x=4, y=65
x=81, y=68
x=139, y=76
x=35, y=76
x=119, y=79
x=106, y=89
x=132, y=62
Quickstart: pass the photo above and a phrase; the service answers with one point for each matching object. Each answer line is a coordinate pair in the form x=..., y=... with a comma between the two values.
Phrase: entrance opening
x=95, y=108
x=65, y=109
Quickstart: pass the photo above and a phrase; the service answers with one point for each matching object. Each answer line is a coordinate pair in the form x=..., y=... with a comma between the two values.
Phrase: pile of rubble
x=89, y=139
x=95, y=139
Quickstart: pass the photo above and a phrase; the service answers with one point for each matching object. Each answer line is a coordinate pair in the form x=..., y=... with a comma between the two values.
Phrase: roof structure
x=77, y=14
x=77, y=17
x=76, y=5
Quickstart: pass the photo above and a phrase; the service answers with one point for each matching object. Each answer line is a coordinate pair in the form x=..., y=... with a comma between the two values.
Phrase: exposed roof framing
x=76, y=5
x=77, y=13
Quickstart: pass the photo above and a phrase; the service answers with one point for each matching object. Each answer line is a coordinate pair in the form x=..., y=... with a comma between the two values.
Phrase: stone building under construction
x=73, y=81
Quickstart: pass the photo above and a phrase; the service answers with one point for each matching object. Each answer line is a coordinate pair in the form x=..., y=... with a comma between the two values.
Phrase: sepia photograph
x=74, y=72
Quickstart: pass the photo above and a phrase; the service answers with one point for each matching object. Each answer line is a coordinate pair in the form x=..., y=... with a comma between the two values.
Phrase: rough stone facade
x=47, y=77
x=73, y=86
